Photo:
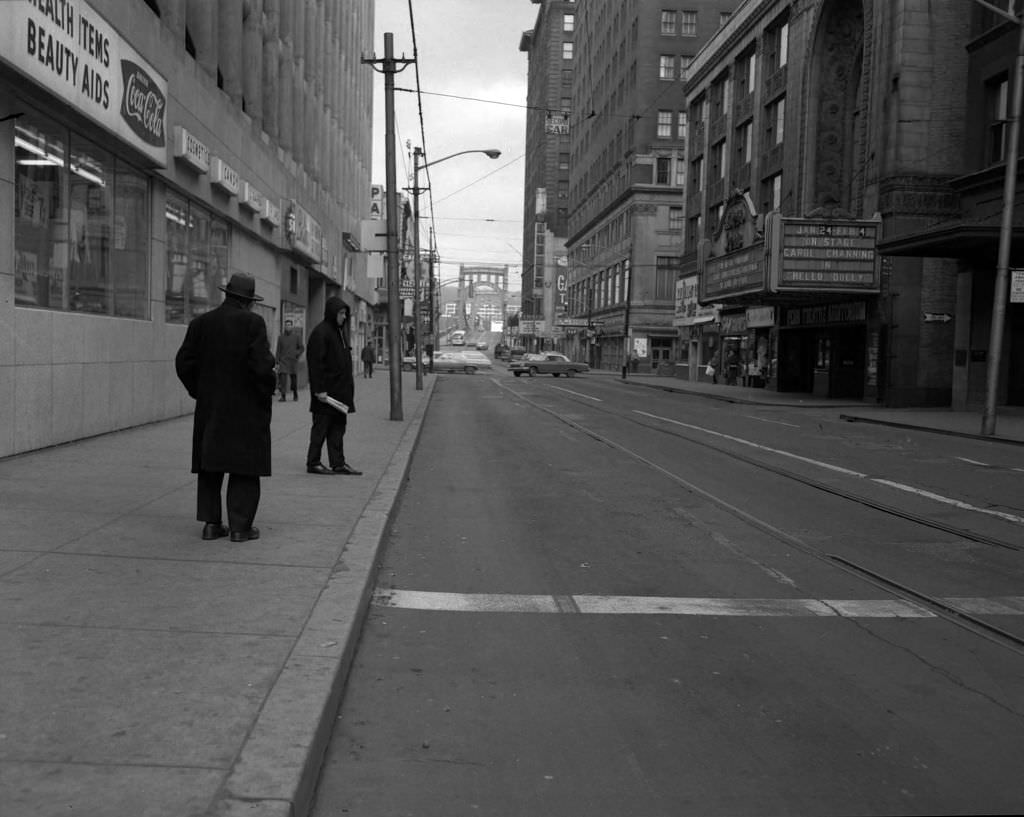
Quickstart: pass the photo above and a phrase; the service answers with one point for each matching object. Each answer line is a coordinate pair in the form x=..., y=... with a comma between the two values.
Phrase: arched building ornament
x=836, y=91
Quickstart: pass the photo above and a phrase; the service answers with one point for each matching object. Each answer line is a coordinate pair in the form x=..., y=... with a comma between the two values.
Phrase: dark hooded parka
x=329, y=361
x=226, y=365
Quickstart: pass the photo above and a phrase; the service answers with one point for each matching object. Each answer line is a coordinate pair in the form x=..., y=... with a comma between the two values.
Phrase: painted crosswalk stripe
x=673, y=606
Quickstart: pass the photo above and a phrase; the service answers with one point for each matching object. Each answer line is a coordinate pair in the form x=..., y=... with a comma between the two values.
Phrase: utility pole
x=417, y=320
x=435, y=317
x=389, y=67
x=995, y=343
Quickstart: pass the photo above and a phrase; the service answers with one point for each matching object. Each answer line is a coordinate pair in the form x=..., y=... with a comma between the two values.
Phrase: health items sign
x=824, y=255
x=69, y=49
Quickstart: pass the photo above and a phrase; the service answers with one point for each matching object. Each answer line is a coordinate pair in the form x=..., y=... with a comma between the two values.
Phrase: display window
x=198, y=246
x=81, y=224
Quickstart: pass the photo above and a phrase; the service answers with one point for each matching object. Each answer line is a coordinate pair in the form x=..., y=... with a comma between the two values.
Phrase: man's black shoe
x=245, y=535
x=214, y=530
x=346, y=469
x=318, y=468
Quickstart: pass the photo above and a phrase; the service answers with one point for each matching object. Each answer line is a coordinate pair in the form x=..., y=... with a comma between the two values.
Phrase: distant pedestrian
x=226, y=366
x=634, y=361
x=711, y=372
x=329, y=359
x=289, y=350
x=368, y=356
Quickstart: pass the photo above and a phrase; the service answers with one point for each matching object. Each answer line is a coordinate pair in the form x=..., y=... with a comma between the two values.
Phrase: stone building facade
x=148, y=150
x=627, y=171
x=831, y=145
x=549, y=48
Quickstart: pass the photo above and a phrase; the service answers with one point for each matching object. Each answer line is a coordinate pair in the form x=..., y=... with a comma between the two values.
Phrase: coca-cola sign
x=143, y=105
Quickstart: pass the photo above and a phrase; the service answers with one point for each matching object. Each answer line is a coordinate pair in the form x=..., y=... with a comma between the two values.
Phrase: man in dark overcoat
x=225, y=364
x=329, y=362
x=289, y=350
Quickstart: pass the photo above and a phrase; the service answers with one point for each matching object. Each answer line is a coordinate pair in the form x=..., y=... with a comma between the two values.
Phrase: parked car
x=409, y=362
x=514, y=353
x=456, y=362
x=481, y=345
x=478, y=359
x=553, y=363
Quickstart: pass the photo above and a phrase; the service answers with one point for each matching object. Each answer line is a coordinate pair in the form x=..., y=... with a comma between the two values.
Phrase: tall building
x=953, y=216
x=148, y=150
x=549, y=48
x=842, y=207
x=627, y=167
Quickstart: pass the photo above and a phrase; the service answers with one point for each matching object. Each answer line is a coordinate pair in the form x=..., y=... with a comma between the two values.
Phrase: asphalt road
x=603, y=600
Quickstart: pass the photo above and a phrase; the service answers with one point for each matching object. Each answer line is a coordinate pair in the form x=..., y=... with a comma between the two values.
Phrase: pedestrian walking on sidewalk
x=225, y=364
x=329, y=360
x=289, y=350
x=368, y=355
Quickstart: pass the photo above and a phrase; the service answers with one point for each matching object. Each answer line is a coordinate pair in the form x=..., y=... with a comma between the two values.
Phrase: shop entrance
x=1015, y=373
x=826, y=362
x=661, y=351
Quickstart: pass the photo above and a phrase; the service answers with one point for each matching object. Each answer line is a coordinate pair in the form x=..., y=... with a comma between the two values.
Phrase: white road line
x=956, y=503
x=972, y=462
x=766, y=420
x=579, y=394
x=741, y=441
x=655, y=605
x=1009, y=517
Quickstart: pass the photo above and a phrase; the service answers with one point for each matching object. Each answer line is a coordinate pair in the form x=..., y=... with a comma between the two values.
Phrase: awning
x=977, y=242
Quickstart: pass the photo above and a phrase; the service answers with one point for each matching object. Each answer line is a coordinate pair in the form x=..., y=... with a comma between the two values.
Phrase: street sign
x=1017, y=286
x=407, y=291
x=937, y=317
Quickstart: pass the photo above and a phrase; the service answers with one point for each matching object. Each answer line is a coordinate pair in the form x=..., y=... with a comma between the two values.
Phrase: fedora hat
x=242, y=286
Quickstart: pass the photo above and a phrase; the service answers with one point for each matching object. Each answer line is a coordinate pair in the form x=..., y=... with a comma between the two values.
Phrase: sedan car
x=553, y=363
x=478, y=359
x=457, y=362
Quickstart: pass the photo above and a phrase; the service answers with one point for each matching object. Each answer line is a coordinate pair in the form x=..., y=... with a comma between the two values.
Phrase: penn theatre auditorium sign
x=69, y=49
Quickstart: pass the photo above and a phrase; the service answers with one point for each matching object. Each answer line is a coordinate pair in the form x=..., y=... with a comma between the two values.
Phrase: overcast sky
x=467, y=49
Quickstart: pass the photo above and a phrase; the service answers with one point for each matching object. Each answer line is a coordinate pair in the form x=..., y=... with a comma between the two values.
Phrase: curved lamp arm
x=491, y=153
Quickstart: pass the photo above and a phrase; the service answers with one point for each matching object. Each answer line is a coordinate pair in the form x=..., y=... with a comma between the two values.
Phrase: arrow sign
x=937, y=317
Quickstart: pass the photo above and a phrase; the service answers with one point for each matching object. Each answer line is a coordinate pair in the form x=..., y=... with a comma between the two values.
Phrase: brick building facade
x=837, y=168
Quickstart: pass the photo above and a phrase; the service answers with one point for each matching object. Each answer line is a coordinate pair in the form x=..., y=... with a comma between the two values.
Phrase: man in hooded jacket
x=329, y=361
x=225, y=364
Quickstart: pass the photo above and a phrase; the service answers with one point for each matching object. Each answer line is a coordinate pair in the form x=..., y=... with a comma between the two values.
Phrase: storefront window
x=91, y=196
x=197, y=259
x=81, y=233
x=130, y=247
x=40, y=214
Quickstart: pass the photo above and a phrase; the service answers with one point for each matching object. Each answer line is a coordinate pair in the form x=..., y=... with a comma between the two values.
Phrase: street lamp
x=417, y=154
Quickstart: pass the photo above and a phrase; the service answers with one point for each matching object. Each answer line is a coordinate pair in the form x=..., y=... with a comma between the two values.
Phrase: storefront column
x=271, y=75
x=174, y=19
x=229, y=48
x=6, y=258
x=962, y=340
x=202, y=25
x=252, y=58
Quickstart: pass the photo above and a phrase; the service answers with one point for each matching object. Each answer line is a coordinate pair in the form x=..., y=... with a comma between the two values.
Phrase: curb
x=726, y=398
x=850, y=418
x=276, y=771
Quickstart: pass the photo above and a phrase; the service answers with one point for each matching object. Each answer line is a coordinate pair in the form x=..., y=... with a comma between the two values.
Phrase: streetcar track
x=811, y=482
x=942, y=608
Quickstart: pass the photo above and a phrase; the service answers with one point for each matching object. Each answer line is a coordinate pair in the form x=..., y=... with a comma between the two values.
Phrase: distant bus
x=458, y=338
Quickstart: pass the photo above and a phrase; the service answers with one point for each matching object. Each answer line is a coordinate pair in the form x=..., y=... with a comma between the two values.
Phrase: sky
x=468, y=49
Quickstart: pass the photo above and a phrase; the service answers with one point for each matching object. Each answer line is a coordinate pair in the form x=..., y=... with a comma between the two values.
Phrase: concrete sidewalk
x=1009, y=419
x=147, y=673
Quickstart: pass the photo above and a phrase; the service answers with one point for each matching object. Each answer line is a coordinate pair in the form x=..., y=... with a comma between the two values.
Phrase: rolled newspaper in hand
x=334, y=404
